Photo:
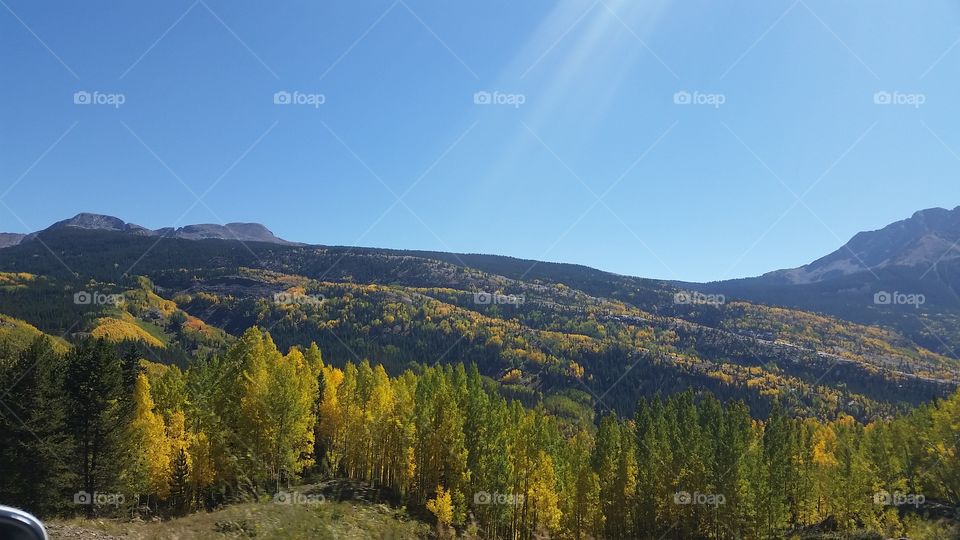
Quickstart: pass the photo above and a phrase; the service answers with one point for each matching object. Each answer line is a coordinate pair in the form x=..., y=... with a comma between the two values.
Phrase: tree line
x=95, y=432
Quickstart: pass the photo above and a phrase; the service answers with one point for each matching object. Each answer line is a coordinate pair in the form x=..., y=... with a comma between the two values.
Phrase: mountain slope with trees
x=491, y=396
x=564, y=341
x=113, y=435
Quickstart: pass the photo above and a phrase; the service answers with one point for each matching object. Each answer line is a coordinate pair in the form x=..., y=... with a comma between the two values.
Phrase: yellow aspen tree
x=291, y=390
x=148, y=471
x=256, y=428
x=383, y=435
x=825, y=463
x=543, y=503
x=202, y=470
x=441, y=506
x=329, y=424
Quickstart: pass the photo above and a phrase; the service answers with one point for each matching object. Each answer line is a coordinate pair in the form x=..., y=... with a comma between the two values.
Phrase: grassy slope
x=333, y=520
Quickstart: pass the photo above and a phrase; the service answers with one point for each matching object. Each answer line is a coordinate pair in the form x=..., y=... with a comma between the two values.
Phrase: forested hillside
x=92, y=432
x=553, y=340
x=917, y=257
x=162, y=376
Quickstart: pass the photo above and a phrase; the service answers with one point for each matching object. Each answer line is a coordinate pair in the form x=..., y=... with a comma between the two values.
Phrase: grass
x=327, y=520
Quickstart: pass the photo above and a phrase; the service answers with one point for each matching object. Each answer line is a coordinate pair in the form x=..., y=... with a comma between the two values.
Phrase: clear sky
x=693, y=140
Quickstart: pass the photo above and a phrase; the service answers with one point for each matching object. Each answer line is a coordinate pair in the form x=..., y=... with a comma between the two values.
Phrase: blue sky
x=808, y=121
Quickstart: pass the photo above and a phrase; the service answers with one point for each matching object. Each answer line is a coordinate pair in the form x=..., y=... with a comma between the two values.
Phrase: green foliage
x=94, y=392
x=443, y=440
x=36, y=448
x=577, y=327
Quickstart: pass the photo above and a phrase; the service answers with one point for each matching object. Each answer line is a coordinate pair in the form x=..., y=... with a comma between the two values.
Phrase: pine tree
x=778, y=473
x=606, y=462
x=35, y=446
x=180, y=496
x=654, y=487
x=93, y=385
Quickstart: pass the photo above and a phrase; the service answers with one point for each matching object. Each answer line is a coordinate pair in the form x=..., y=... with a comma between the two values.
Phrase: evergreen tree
x=35, y=446
x=778, y=473
x=180, y=483
x=93, y=389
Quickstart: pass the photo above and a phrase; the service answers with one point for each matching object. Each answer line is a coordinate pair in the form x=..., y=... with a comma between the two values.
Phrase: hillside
x=331, y=520
x=445, y=443
x=547, y=330
x=905, y=276
x=480, y=394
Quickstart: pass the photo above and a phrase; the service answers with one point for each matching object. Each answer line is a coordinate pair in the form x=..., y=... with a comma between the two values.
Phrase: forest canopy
x=92, y=431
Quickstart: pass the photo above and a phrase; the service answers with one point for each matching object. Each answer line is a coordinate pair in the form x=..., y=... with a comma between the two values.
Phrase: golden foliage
x=441, y=506
x=116, y=330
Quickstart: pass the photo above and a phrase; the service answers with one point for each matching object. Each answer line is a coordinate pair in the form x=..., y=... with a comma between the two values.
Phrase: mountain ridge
x=241, y=231
x=570, y=325
x=905, y=275
x=927, y=237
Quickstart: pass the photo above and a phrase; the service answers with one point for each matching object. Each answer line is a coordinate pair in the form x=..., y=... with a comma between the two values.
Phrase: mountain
x=559, y=334
x=244, y=232
x=10, y=239
x=98, y=222
x=905, y=276
x=924, y=240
